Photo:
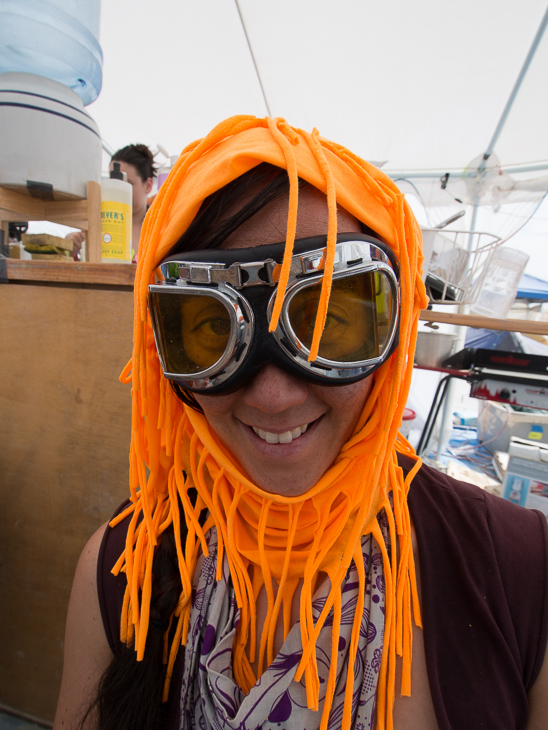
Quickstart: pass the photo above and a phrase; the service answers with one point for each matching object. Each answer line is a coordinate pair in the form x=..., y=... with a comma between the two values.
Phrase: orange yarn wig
x=174, y=448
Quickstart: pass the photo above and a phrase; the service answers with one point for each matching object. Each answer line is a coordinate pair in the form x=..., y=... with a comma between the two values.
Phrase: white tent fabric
x=418, y=86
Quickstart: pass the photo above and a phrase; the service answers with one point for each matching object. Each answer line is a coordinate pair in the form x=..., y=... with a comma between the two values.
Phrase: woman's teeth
x=280, y=438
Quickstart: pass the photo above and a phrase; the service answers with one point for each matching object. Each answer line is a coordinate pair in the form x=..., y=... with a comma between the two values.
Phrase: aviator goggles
x=210, y=315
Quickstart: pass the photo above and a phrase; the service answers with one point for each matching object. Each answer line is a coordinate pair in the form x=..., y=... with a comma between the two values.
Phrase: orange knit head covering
x=174, y=447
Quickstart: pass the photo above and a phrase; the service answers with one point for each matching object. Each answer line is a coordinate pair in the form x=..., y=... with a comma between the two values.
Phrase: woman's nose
x=273, y=390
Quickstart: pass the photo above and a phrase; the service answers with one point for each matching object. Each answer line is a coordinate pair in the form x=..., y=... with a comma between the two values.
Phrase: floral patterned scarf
x=211, y=699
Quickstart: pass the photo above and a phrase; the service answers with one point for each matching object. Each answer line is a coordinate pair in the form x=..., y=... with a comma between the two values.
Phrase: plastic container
x=49, y=146
x=455, y=264
x=116, y=218
x=526, y=479
x=57, y=39
x=433, y=348
x=499, y=422
x=164, y=171
x=446, y=266
x=500, y=284
x=407, y=421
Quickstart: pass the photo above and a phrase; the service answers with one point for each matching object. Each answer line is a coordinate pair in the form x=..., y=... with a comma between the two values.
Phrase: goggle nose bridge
x=243, y=274
x=238, y=275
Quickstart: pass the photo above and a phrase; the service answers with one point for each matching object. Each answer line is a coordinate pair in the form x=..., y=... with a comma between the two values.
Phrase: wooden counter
x=72, y=272
x=66, y=334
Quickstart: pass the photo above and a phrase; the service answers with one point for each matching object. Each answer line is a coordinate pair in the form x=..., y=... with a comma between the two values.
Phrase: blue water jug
x=54, y=38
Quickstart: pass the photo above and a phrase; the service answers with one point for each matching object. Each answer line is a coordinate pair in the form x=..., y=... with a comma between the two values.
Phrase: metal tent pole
x=259, y=79
x=448, y=404
x=514, y=93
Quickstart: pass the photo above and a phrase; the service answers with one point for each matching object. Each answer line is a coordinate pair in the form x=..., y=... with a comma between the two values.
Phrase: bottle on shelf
x=116, y=218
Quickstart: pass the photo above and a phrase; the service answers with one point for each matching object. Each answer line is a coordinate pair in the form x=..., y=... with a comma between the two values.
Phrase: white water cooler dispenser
x=50, y=68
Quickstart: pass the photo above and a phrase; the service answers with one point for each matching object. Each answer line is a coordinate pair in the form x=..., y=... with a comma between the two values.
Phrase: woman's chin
x=285, y=483
x=285, y=486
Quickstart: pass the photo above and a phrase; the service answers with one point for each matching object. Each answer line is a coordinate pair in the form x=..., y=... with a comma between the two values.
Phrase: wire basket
x=455, y=264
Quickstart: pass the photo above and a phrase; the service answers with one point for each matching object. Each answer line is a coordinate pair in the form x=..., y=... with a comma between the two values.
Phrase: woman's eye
x=333, y=320
x=303, y=323
x=214, y=326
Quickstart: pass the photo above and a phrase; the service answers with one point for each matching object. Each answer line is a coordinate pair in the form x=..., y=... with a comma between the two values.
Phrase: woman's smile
x=285, y=437
x=281, y=450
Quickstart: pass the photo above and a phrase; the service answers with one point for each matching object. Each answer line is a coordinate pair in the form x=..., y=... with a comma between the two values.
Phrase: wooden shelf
x=72, y=272
x=83, y=214
x=525, y=326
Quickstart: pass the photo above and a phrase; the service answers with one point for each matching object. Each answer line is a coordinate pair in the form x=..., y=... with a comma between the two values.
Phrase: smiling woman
x=265, y=572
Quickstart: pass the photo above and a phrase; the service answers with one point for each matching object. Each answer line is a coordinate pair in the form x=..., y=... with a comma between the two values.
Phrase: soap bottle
x=116, y=218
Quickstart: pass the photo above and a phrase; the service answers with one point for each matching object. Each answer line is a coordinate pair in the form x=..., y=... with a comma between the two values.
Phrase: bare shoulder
x=87, y=653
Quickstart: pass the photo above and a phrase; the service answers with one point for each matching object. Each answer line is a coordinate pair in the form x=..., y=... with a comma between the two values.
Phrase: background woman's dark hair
x=129, y=693
x=140, y=157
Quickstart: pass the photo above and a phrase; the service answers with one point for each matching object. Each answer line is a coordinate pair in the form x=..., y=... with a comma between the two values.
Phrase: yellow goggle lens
x=359, y=317
x=195, y=330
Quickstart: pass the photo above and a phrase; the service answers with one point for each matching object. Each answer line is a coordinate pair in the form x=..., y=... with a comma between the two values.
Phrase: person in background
x=137, y=161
